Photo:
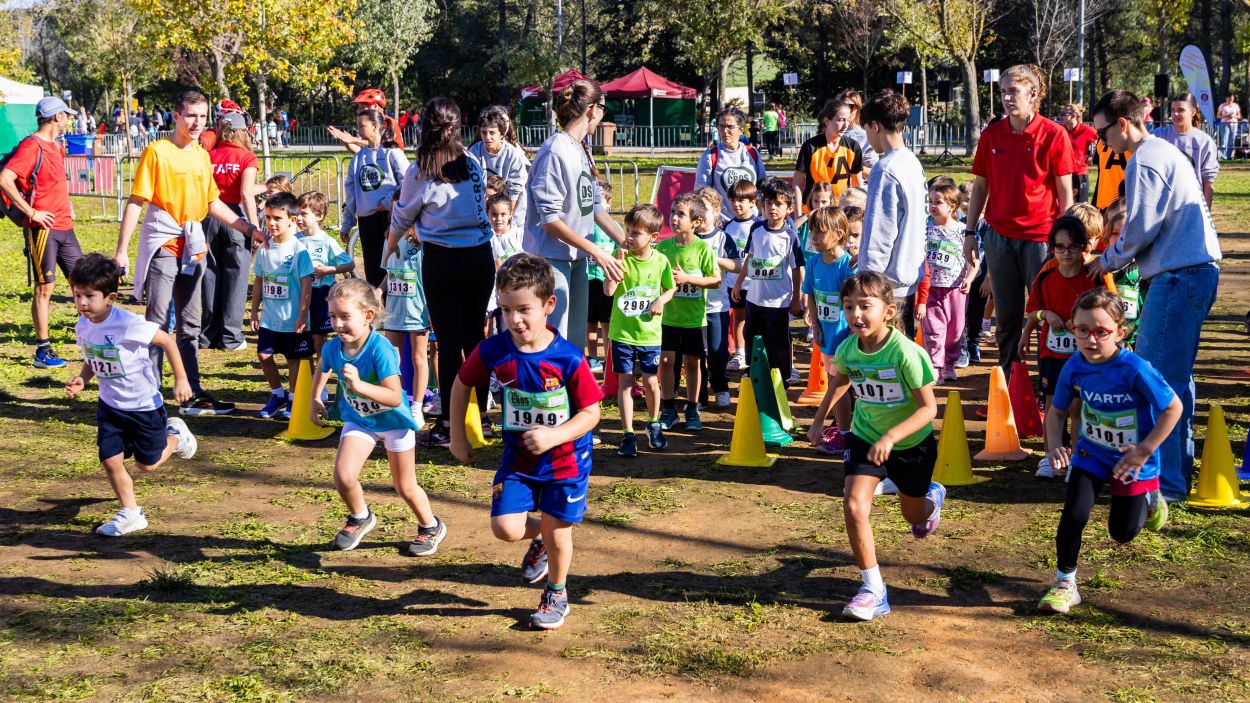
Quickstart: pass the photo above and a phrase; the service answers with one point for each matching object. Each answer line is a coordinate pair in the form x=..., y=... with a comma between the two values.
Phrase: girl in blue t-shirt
x=373, y=406
x=827, y=270
x=1124, y=410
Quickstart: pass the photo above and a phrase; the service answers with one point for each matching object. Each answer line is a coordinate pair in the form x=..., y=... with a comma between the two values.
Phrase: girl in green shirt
x=892, y=430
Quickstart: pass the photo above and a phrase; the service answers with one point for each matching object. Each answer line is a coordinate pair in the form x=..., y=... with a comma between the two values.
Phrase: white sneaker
x=238, y=347
x=885, y=488
x=119, y=524
x=1045, y=470
x=736, y=362
x=490, y=401
x=187, y=443
x=722, y=399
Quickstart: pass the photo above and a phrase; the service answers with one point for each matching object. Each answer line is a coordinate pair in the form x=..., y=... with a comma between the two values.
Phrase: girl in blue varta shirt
x=1126, y=410
x=374, y=407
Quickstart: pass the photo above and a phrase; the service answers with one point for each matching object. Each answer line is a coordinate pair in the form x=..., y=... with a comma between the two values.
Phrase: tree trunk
x=395, y=95
x=1100, y=53
x=501, y=40
x=1226, y=47
x=724, y=77
x=972, y=106
x=219, y=73
x=127, y=100
x=924, y=92
x=262, y=89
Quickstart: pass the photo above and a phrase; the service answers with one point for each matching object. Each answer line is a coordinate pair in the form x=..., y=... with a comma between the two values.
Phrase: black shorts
x=137, y=433
x=687, y=341
x=292, y=345
x=319, y=310
x=599, y=305
x=1048, y=369
x=739, y=305
x=910, y=469
x=46, y=249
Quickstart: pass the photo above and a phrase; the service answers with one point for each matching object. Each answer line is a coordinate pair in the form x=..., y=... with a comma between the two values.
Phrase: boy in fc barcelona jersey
x=550, y=406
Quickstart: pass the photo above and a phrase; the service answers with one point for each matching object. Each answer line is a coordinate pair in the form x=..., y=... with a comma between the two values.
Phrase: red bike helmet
x=371, y=97
x=225, y=107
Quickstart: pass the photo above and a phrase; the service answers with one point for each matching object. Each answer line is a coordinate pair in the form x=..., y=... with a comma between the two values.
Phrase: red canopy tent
x=645, y=83
x=560, y=82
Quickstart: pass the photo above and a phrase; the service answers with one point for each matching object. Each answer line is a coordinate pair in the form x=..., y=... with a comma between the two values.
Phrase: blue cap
x=52, y=106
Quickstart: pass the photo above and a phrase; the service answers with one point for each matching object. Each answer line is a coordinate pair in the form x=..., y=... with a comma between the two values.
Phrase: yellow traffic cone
x=783, y=403
x=746, y=447
x=954, y=466
x=1217, y=479
x=473, y=423
x=300, y=426
x=1002, y=442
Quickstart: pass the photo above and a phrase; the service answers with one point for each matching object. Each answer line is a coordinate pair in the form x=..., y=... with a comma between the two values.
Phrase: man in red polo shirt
x=1023, y=167
x=48, y=215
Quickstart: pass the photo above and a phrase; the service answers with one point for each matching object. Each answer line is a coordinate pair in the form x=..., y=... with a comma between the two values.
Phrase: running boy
x=635, y=332
x=892, y=428
x=373, y=407
x=550, y=406
x=130, y=415
x=284, y=279
x=1126, y=411
x=685, y=318
x=328, y=260
x=774, y=264
x=1051, y=298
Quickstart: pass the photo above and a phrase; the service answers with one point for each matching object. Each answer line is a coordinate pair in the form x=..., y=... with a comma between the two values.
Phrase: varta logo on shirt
x=551, y=384
x=1106, y=398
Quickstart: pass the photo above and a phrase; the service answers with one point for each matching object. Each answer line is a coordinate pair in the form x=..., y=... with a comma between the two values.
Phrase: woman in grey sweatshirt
x=443, y=198
x=373, y=176
x=498, y=152
x=565, y=203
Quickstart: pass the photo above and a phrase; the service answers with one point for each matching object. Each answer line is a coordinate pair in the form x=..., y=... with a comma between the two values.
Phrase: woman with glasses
x=565, y=203
x=1083, y=137
x=729, y=160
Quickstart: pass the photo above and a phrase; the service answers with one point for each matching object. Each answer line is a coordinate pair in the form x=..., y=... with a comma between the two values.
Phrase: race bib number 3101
x=1109, y=429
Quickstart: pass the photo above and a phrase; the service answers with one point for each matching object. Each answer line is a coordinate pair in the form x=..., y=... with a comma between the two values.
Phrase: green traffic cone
x=761, y=384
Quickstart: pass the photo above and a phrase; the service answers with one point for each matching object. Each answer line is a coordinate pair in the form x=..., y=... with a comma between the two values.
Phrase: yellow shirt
x=178, y=181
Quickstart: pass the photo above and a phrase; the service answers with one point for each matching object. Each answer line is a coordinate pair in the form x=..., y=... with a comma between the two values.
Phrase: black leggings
x=773, y=324
x=457, y=289
x=976, y=307
x=1128, y=516
x=373, y=230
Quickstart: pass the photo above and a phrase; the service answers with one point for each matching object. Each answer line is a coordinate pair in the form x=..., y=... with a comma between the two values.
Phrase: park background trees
x=306, y=55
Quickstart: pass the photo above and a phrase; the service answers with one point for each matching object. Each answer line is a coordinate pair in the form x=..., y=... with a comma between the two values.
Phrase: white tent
x=14, y=93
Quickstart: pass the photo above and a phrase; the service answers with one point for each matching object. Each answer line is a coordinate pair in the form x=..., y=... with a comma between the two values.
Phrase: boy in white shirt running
x=130, y=415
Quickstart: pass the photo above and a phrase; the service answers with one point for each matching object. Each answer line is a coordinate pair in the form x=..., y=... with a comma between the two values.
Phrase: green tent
x=17, y=112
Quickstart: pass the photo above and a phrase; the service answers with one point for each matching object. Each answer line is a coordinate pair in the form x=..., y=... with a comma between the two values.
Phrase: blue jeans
x=1228, y=132
x=572, y=299
x=1171, y=323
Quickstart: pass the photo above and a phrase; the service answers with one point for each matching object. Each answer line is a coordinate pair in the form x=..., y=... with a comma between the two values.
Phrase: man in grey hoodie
x=894, y=220
x=1168, y=231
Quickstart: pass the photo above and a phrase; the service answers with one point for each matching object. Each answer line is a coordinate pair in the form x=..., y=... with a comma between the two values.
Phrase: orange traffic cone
x=473, y=423
x=919, y=340
x=1001, y=441
x=1023, y=401
x=301, y=427
x=817, y=380
x=1217, y=479
x=746, y=446
x=953, y=466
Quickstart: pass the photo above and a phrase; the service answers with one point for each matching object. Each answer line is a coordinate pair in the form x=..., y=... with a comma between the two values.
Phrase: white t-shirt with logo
x=117, y=350
x=768, y=263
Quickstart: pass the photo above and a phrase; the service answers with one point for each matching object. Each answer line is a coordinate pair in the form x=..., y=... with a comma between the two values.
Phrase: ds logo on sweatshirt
x=585, y=193
x=370, y=177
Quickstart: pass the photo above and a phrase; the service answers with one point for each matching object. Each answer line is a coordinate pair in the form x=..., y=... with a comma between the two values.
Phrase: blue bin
x=80, y=144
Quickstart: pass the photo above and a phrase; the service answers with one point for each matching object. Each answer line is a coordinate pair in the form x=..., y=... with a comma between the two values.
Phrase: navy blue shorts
x=564, y=499
x=137, y=433
x=625, y=357
x=1048, y=370
x=319, y=311
x=292, y=345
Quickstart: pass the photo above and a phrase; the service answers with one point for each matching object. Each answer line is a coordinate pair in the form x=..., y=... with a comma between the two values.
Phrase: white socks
x=361, y=516
x=1060, y=576
x=872, y=579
